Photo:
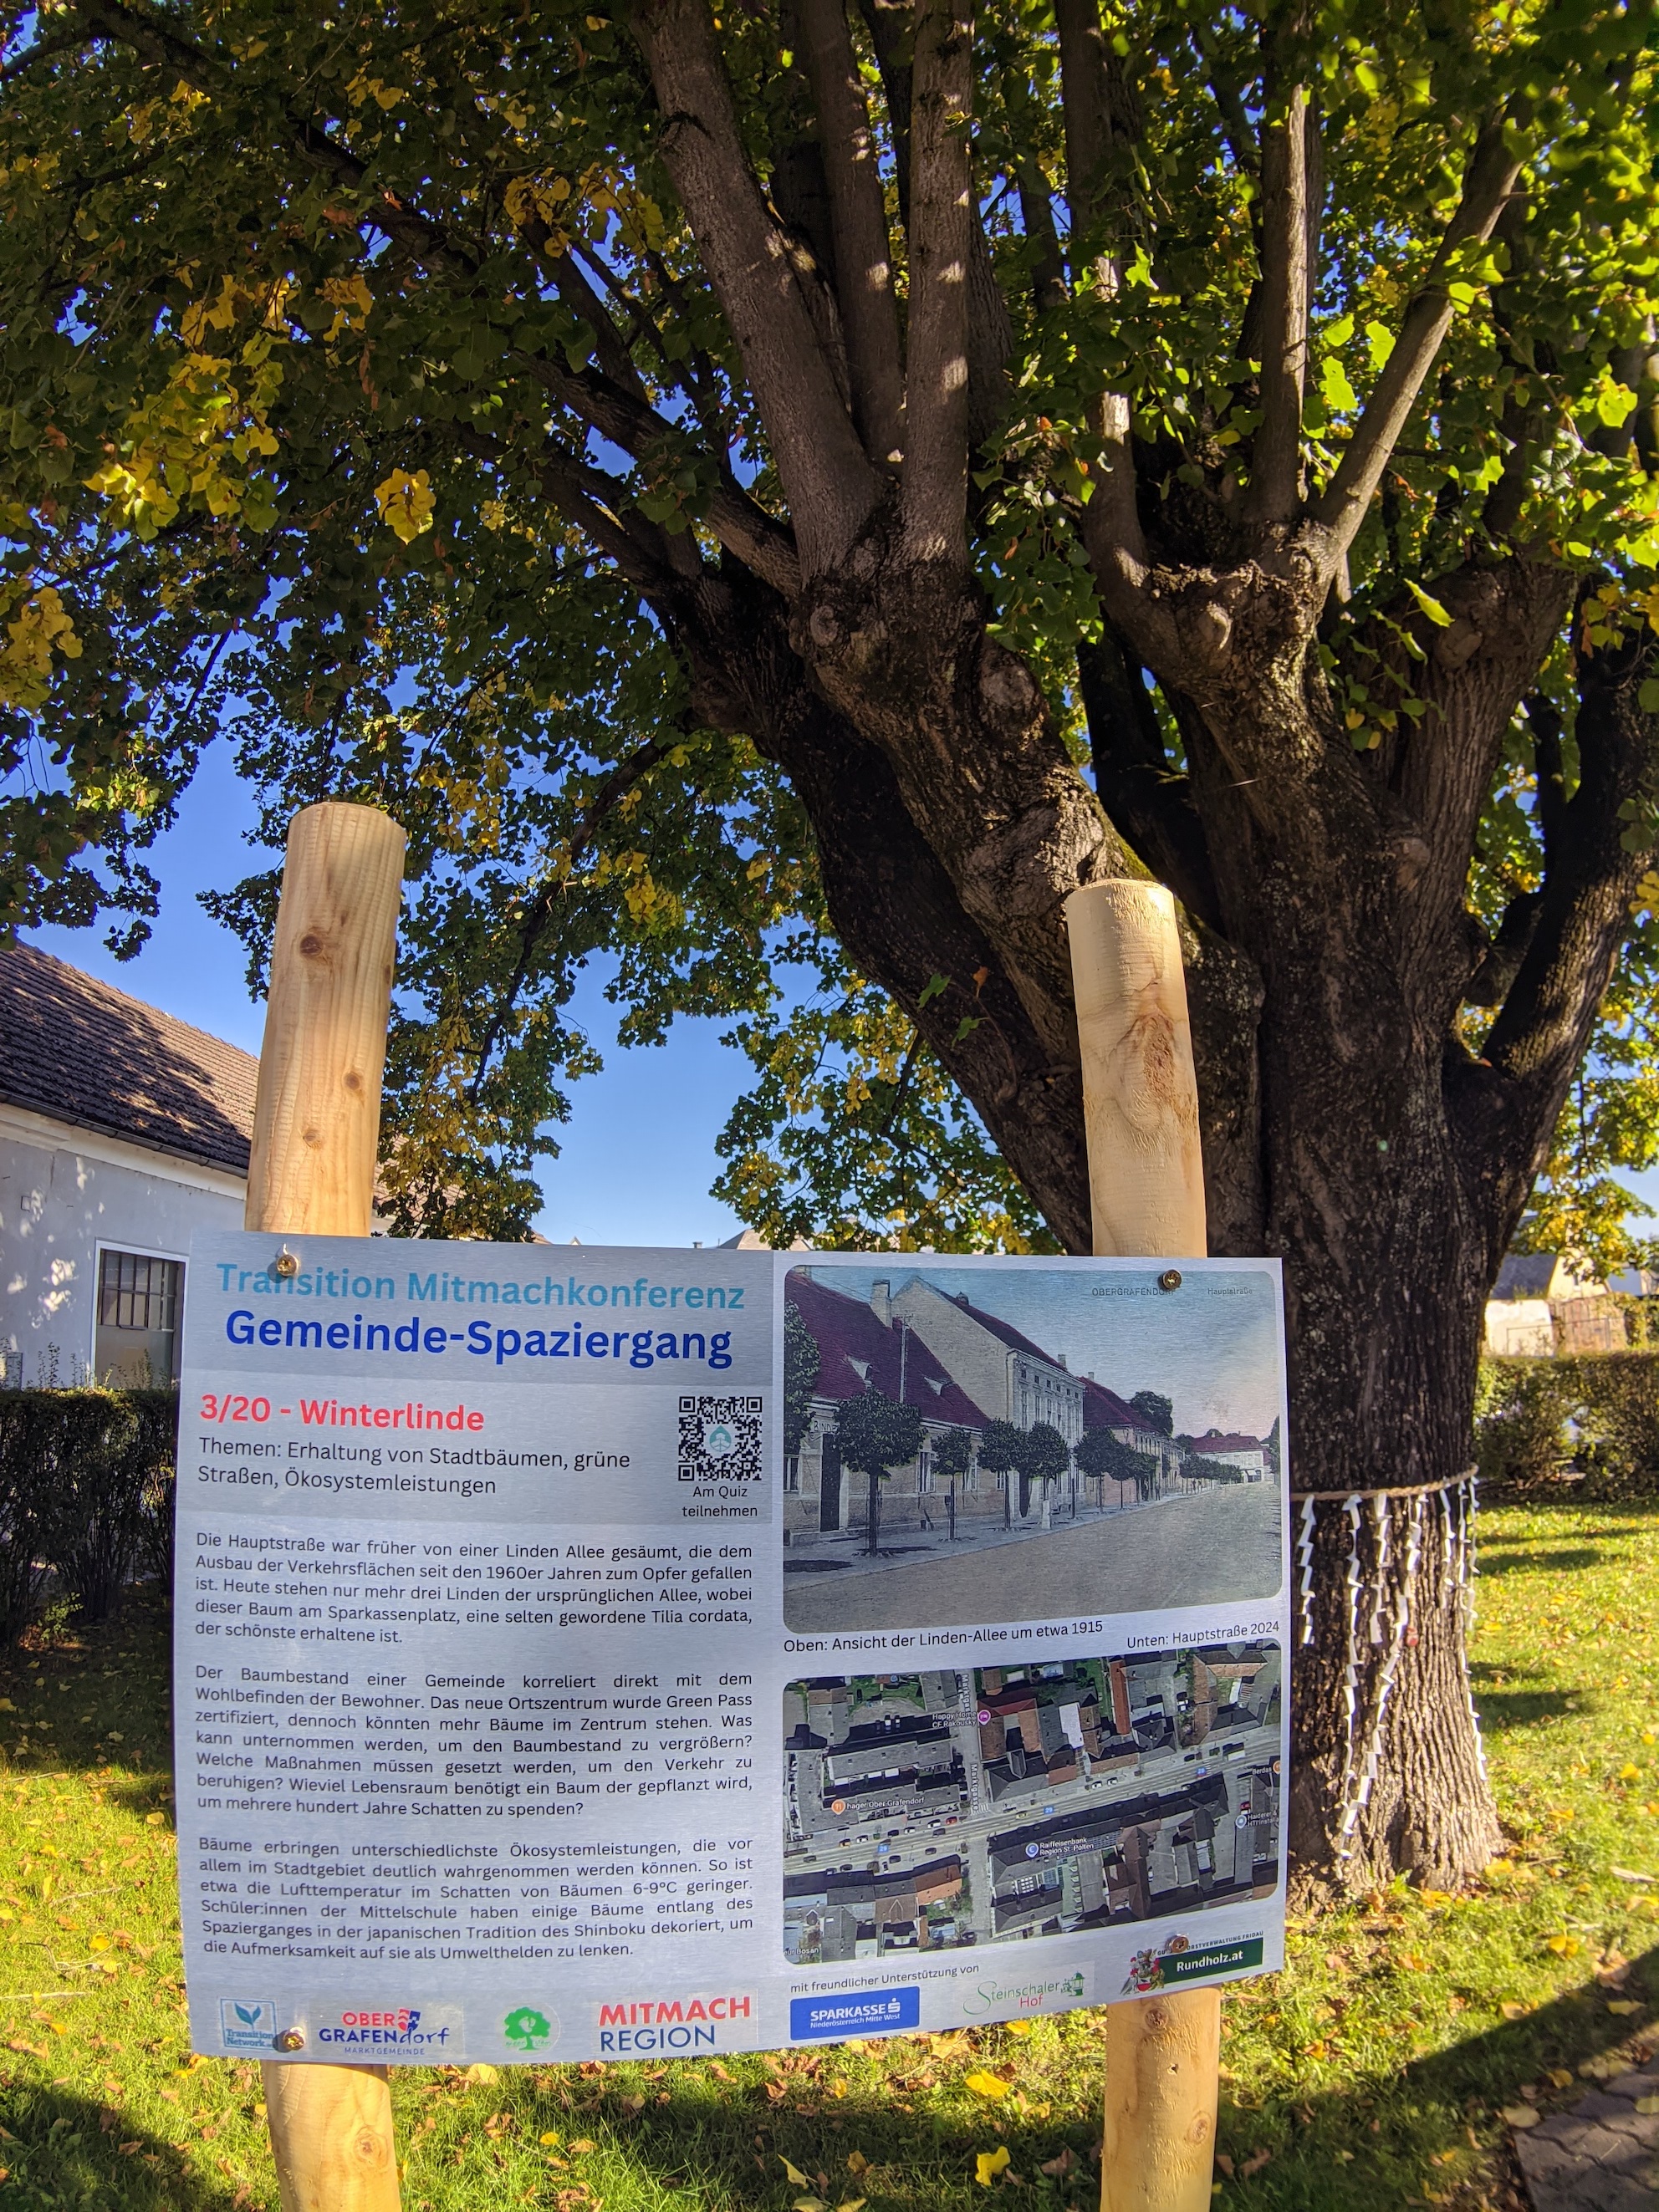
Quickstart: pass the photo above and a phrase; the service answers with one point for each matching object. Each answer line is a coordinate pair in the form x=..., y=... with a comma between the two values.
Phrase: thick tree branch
x=831, y=486
x=864, y=276
x=934, y=500
x=1099, y=108
x=1146, y=800
x=1509, y=1105
x=1097, y=111
x=1275, y=491
x=1493, y=168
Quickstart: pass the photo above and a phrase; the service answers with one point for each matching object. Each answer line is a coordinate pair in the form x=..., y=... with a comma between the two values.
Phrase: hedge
x=86, y=1493
x=1598, y=1412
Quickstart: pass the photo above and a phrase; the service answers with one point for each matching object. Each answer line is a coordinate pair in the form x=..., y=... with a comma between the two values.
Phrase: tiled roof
x=1105, y=1409
x=1003, y=1329
x=1214, y=1440
x=82, y=1052
x=847, y=1331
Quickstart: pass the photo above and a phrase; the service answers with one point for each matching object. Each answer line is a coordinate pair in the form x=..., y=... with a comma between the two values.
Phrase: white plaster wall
x=64, y=1193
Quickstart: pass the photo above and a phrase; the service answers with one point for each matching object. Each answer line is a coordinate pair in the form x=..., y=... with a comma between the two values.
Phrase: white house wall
x=66, y=1193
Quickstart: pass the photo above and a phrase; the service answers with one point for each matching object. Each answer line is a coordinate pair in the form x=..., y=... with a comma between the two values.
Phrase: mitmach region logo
x=402, y=2027
x=643, y=2024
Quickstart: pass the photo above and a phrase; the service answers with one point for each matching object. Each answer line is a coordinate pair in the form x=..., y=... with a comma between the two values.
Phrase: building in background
x=1541, y=1304
x=122, y=1132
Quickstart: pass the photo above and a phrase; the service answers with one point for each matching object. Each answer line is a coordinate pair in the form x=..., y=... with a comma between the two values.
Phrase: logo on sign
x=403, y=2027
x=994, y=1995
x=863, y=2012
x=638, y=2024
x=248, y=2023
x=530, y=2030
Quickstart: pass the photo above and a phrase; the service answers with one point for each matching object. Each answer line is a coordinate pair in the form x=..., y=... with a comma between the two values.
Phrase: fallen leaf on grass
x=1520, y=2115
x=552, y=2137
x=1059, y=2168
x=1564, y=1947
x=990, y=2163
x=1224, y=2162
x=1623, y=2005
x=1017, y=2027
x=810, y=2204
x=1558, y=2077
x=33, y=2049
x=481, y=2073
x=857, y=2163
x=1647, y=2106
x=991, y=2086
x=1254, y=2163
x=792, y=2173
x=1513, y=2010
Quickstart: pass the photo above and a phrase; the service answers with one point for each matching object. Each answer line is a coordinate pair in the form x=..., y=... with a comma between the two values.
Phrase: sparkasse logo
x=668, y=2023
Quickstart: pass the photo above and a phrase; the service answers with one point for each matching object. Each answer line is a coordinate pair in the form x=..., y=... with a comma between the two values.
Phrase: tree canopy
x=875, y=1435
x=378, y=388
x=775, y=499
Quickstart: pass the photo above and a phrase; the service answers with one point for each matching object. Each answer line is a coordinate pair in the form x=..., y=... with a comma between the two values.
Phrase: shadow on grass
x=1520, y=1562
x=65, y=2150
x=1515, y=1705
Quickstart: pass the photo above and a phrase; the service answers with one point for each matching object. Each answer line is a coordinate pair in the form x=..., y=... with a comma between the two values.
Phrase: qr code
x=719, y=1439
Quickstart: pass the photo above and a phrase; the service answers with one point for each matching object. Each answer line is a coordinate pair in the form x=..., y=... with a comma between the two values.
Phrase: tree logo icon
x=528, y=2028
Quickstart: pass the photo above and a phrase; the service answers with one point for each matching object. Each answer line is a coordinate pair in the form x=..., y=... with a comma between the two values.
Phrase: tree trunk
x=1386, y=1770
x=873, y=1517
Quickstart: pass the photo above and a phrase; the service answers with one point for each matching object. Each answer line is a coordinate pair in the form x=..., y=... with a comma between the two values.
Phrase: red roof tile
x=81, y=1052
x=846, y=1329
x=1214, y=1440
x=1105, y=1409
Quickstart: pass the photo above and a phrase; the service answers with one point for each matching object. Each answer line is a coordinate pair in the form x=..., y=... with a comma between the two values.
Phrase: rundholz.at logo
x=668, y=2023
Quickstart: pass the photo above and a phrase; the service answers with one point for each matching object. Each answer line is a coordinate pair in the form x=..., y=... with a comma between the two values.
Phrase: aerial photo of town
x=934, y=1811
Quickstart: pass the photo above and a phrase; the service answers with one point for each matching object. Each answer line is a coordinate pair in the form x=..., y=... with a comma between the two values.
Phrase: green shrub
x=1598, y=1412
x=85, y=1490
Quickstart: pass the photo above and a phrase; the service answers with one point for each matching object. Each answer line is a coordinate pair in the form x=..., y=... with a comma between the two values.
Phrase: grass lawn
x=1373, y=2073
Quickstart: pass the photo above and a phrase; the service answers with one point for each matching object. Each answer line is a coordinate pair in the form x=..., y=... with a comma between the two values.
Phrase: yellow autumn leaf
x=853, y=2204
x=1564, y=1947
x=1623, y=2006
x=1017, y=2027
x=793, y=2173
x=480, y=2072
x=551, y=2135
x=857, y=2163
x=406, y=503
x=986, y=2085
x=1629, y=1773
x=990, y=2163
x=810, y=2204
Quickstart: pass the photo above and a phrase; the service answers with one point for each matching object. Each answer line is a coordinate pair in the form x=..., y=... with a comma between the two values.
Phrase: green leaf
x=1647, y=696
x=1431, y=607
x=932, y=988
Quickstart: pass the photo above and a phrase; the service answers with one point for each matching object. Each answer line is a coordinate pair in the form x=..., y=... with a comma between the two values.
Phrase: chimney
x=881, y=1302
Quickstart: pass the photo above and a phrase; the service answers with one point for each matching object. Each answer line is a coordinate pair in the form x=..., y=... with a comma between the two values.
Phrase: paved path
x=1219, y=1545
x=1601, y=2156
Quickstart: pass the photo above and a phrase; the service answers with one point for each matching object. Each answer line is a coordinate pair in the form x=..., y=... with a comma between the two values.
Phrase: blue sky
x=638, y=1154
x=637, y=1157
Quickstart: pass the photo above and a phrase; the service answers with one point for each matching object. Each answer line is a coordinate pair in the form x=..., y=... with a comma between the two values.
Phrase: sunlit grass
x=1373, y=2072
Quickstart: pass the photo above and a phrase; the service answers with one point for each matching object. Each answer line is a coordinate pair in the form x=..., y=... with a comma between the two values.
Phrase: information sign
x=616, y=1653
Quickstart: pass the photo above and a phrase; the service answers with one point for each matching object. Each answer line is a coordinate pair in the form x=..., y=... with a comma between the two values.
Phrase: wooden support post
x=1146, y=1188
x=316, y=1137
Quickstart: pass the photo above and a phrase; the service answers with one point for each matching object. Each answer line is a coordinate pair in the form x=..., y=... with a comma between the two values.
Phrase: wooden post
x=1146, y=1189
x=316, y=1137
